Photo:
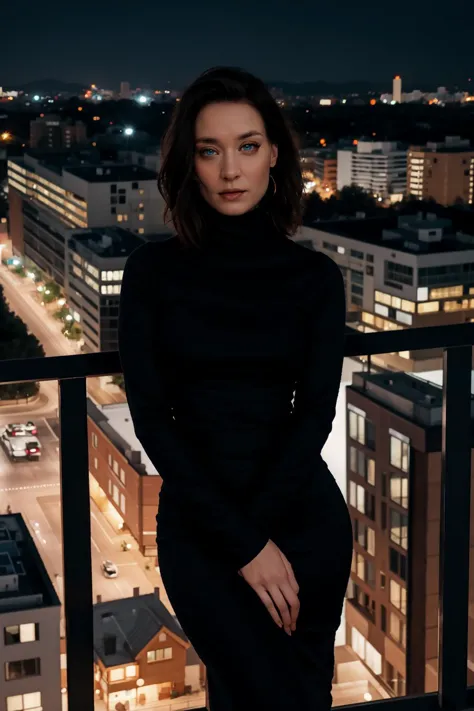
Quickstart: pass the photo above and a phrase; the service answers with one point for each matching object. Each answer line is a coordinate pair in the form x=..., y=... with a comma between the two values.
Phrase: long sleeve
x=153, y=421
x=299, y=453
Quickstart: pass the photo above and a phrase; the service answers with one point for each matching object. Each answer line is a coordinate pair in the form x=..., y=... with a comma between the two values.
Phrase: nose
x=230, y=166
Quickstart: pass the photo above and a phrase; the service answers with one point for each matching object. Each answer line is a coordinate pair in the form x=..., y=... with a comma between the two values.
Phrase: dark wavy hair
x=176, y=179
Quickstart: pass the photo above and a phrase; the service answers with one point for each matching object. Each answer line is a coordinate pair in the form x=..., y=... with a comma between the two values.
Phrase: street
x=32, y=488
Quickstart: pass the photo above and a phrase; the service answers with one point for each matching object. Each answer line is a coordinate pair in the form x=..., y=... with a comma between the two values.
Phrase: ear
x=274, y=155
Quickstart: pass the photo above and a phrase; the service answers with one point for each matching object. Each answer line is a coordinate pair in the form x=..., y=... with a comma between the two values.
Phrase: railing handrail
x=87, y=365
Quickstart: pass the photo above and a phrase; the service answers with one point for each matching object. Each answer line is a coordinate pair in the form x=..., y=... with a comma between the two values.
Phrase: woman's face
x=232, y=152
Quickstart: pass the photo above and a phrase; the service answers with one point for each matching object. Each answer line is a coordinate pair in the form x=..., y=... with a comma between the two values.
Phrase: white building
x=29, y=624
x=380, y=167
x=397, y=89
x=49, y=196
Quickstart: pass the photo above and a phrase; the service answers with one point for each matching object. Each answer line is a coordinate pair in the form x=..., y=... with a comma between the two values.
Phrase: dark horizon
x=294, y=42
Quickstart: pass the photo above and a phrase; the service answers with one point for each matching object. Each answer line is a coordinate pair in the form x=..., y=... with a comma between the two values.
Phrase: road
x=33, y=489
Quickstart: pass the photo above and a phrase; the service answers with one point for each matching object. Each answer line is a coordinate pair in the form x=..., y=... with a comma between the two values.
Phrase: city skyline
x=172, y=45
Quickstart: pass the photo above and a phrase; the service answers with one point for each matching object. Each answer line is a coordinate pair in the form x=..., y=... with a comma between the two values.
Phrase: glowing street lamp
x=129, y=131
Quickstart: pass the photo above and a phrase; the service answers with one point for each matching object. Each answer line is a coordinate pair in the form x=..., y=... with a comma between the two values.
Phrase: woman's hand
x=271, y=575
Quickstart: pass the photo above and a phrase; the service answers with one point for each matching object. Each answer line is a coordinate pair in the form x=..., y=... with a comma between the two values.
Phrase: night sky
x=156, y=42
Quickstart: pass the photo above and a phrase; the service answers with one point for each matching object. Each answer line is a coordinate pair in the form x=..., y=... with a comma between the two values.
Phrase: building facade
x=29, y=624
x=122, y=476
x=399, y=273
x=51, y=195
x=442, y=172
x=393, y=491
x=53, y=133
x=379, y=167
x=95, y=260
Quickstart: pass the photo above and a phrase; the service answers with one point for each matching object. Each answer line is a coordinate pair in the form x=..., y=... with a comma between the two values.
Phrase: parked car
x=20, y=429
x=109, y=569
x=21, y=446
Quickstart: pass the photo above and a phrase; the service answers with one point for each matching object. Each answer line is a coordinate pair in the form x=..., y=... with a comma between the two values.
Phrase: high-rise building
x=379, y=167
x=95, y=260
x=441, y=171
x=325, y=168
x=125, y=92
x=394, y=465
x=405, y=272
x=50, y=195
x=54, y=133
x=29, y=623
x=397, y=89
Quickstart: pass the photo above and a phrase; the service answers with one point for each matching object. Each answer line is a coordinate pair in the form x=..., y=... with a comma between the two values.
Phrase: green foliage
x=20, y=271
x=346, y=203
x=72, y=330
x=117, y=380
x=54, y=292
x=61, y=313
x=16, y=343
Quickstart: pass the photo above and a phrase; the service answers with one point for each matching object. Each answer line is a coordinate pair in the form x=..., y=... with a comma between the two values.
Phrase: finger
x=293, y=601
x=295, y=587
x=268, y=602
x=291, y=574
x=281, y=604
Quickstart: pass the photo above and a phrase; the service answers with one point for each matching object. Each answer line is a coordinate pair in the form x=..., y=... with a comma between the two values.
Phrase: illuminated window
x=141, y=231
x=399, y=450
x=25, y=702
x=117, y=674
x=428, y=307
x=141, y=216
x=398, y=596
x=131, y=671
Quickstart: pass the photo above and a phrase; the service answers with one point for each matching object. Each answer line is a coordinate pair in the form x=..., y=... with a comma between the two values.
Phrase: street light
x=129, y=131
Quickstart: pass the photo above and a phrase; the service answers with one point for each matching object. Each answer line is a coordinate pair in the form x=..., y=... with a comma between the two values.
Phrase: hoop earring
x=274, y=184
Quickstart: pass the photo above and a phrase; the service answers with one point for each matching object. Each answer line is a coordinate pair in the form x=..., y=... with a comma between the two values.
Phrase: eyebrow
x=248, y=134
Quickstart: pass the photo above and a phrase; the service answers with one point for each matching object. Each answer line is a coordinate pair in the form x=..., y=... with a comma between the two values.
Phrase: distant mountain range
x=51, y=86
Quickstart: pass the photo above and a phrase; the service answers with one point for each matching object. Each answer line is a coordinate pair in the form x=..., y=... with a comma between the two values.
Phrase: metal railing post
x=76, y=525
x=455, y=525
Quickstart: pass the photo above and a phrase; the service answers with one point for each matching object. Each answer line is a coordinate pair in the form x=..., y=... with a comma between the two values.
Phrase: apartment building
x=325, y=168
x=95, y=260
x=142, y=654
x=52, y=132
x=379, y=167
x=123, y=480
x=442, y=171
x=394, y=464
x=29, y=624
x=52, y=194
x=410, y=271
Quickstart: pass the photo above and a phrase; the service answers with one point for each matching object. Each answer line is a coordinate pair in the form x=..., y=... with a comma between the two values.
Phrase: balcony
x=455, y=514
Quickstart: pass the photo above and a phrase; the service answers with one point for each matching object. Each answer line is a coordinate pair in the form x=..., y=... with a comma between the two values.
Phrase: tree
x=16, y=343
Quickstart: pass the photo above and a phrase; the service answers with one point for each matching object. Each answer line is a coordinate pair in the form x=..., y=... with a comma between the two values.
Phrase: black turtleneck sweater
x=215, y=342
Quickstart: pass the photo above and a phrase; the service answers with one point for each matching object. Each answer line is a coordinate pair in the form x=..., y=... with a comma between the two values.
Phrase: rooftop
x=122, y=628
x=24, y=582
x=115, y=421
x=107, y=241
x=111, y=172
x=403, y=233
x=411, y=396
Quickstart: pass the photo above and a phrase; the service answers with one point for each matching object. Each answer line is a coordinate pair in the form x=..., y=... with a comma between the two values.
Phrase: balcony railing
x=456, y=341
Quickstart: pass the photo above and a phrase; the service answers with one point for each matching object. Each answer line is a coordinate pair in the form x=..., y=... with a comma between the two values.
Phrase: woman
x=231, y=340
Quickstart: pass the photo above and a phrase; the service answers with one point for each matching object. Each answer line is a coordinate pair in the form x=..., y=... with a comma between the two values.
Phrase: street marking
x=27, y=488
x=95, y=544
x=50, y=429
x=124, y=565
x=103, y=529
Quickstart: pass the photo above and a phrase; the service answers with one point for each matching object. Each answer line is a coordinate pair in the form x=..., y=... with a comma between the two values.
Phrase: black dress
x=232, y=356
